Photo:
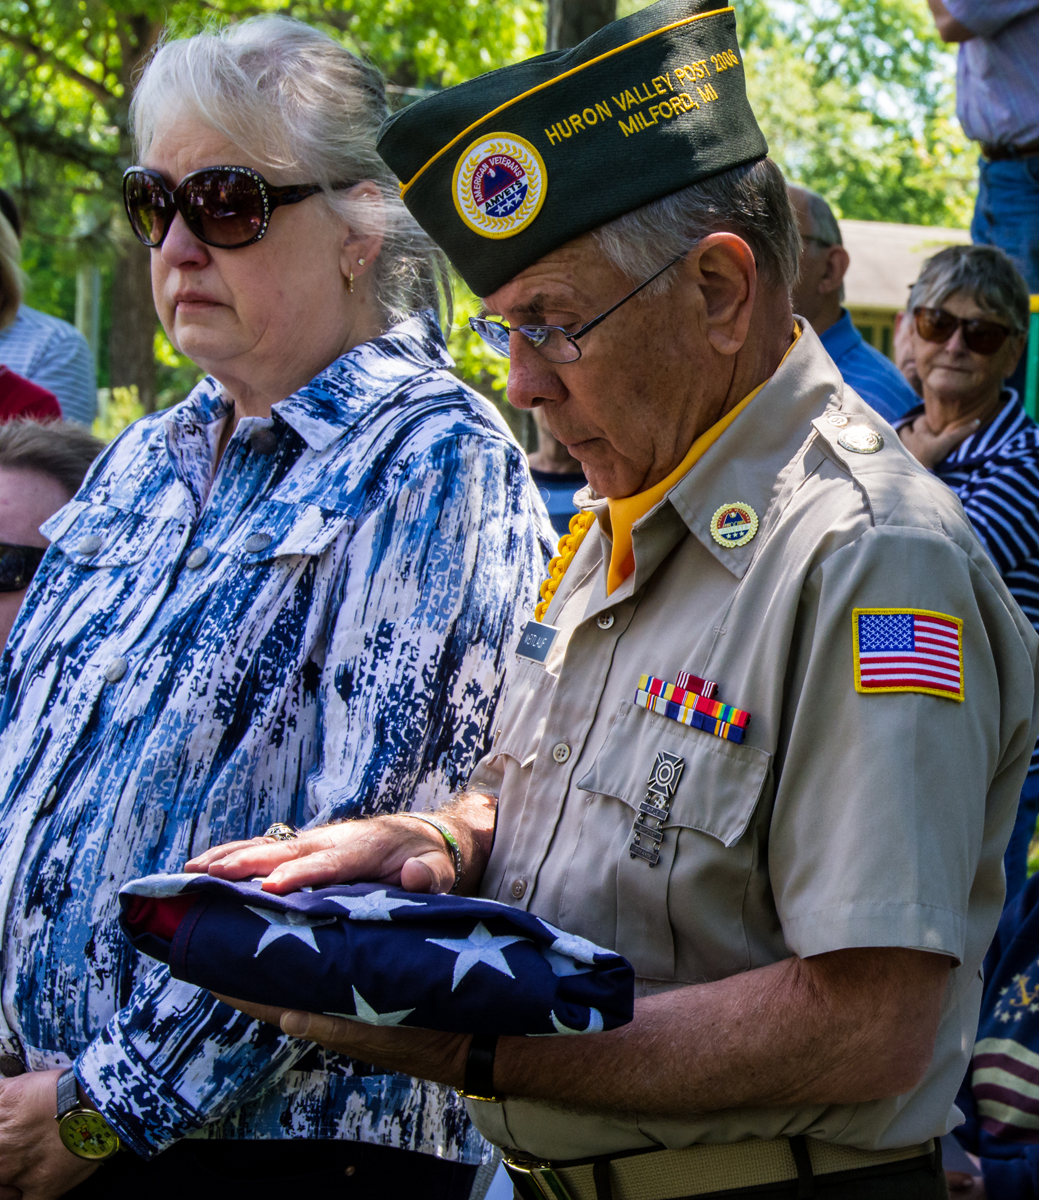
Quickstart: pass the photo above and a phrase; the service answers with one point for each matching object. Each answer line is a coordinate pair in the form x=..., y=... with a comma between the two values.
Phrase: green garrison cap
x=506, y=167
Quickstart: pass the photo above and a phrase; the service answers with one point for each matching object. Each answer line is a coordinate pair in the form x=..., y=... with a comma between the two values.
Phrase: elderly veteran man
x=765, y=733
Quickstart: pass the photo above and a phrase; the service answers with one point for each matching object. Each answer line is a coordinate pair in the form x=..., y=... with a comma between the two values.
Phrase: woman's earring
x=360, y=262
x=350, y=282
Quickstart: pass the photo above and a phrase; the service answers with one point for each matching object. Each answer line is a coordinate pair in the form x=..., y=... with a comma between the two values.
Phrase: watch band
x=68, y=1092
x=452, y=842
x=479, y=1069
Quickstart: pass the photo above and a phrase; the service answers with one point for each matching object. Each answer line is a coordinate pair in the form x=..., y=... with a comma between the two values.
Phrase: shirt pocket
x=101, y=535
x=279, y=530
x=694, y=893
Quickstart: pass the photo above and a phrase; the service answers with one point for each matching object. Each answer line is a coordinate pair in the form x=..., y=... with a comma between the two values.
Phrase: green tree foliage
x=855, y=96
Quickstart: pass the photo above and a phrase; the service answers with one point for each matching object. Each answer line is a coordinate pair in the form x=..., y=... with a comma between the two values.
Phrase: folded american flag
x=380, y=955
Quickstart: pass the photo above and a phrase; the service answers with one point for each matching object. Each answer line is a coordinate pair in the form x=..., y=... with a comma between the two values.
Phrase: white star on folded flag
x=287, y=924
x=376, y=906
x=478, y=947
x=364, y=1012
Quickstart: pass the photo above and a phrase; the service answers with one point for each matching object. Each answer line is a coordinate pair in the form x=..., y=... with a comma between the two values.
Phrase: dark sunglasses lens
x=984, y=337
x=17, y=566
x=148, y=206
x=935, y=324
x=224, y=208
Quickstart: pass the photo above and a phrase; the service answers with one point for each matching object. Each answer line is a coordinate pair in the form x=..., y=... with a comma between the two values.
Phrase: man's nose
x=532, y=379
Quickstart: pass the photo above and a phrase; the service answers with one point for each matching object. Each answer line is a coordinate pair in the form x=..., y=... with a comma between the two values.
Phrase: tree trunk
x=131, y=342
x=571, y=21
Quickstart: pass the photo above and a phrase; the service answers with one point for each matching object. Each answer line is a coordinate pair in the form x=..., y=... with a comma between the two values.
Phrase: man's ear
x=725, y=272
x=837, y=263
x=362, y=234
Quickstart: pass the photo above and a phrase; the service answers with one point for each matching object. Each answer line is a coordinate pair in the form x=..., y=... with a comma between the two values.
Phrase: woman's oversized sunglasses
x=228, y=207
x=979, y=335
x=18, y=565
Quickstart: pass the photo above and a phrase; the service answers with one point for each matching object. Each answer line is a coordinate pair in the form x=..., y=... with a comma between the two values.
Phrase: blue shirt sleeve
x=989, y=17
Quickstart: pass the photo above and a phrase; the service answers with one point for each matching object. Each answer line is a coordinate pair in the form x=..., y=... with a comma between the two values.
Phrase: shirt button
x=518, y=889
x=256, y=542
x=115, y=670
x=560, y=752
x=605, y=621
x=263, y=441
x=89, y=545
x=197, y=558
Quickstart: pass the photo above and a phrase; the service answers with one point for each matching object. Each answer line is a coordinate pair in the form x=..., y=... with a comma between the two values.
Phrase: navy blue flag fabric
x=380, y=955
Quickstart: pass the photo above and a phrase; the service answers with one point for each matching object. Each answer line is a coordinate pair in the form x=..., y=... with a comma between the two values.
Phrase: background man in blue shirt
x=818, y=294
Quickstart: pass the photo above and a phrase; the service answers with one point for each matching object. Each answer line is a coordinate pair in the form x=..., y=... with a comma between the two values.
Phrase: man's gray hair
x=824, y=224
x=61, y=449
x=301, y=104
x=750, y=201
x=984, y=273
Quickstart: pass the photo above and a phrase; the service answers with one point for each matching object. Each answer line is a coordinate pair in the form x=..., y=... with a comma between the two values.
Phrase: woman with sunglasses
x=969, y=310
x=285, y=601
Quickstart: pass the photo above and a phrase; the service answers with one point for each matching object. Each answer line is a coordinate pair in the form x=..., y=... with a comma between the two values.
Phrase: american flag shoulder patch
x=908, y=650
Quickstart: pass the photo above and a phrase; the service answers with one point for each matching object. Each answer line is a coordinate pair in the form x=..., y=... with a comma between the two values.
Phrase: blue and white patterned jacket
x=317, y=632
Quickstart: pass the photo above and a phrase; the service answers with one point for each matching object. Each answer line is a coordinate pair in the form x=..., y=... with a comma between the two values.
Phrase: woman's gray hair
x=984, y=273
x=304, y=106
x=12, y=281
x=750, y=201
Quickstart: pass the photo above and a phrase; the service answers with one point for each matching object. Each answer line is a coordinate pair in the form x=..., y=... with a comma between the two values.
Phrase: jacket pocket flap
x=277, y=529
x=100, y=535
x=720, y=784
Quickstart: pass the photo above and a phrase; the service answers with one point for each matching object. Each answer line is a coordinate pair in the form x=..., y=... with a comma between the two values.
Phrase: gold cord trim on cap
x=569, y=544
x=717, y=12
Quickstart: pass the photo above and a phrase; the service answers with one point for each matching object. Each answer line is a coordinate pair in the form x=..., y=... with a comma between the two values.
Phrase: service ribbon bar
x=690, y=708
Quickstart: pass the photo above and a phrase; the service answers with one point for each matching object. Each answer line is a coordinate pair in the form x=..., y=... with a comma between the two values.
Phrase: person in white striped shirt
x=969, y=310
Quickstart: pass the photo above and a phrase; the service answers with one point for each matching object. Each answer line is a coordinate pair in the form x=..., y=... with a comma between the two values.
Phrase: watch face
x=88, y=1135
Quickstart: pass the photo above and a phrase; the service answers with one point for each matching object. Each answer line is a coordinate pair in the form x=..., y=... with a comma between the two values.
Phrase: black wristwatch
x=84, y=1132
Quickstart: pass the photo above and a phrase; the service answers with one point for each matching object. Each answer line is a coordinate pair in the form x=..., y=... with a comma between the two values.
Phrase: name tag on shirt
x=536, y=641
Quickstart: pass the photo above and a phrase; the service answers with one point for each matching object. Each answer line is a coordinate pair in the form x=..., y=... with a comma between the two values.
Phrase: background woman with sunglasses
x=970, y=313
x=288, y=599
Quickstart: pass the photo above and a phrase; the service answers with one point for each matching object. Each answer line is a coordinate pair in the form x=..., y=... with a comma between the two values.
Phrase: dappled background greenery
x=856, y=98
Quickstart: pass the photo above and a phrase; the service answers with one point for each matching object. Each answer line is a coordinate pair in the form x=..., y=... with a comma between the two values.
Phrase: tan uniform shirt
x=843, y=820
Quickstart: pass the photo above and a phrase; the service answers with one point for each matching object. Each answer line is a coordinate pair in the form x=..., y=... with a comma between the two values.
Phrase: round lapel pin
x=860, y=439
x=733, y=525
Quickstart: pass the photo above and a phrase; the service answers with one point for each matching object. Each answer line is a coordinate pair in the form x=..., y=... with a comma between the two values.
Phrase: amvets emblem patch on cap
x=733, y=525
x=499, y=185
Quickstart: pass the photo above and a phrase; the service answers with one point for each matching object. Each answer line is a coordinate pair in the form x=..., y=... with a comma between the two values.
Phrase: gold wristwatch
x=84, y=1132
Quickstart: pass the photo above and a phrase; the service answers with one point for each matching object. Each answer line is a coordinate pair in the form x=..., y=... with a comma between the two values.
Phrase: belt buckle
x=535, y=1179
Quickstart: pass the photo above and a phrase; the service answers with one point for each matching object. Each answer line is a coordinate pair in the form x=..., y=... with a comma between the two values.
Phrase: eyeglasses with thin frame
x=980, y=336
x=227, y=207
x=18, y=565
x=553, y=342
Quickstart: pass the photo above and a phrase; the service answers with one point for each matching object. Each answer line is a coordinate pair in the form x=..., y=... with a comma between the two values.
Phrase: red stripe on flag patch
x=908, y=650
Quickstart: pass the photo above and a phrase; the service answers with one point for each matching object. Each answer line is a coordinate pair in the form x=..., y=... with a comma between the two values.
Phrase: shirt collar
x=841, y=337
x=334, y=401
x=743, y=465
x=1009, y=421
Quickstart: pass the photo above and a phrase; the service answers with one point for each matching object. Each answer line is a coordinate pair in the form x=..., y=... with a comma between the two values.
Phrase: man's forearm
x=795, y=1032
x=471, y=817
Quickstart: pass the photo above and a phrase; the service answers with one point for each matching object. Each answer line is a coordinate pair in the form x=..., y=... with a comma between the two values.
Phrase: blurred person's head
x=41, y=469
x=970, y=316
x=12, y=283
x=9, y=211
x=904, y=353
x=265, y=295
x=819, y=290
